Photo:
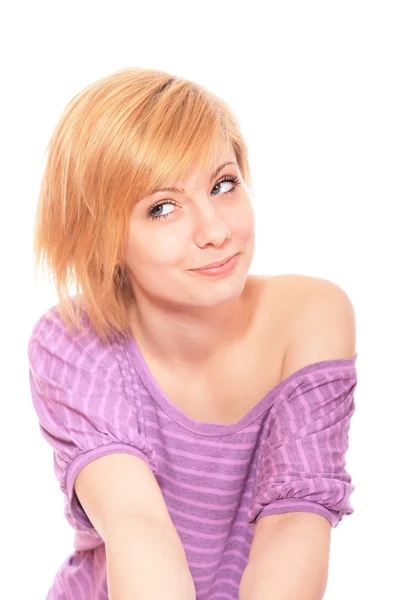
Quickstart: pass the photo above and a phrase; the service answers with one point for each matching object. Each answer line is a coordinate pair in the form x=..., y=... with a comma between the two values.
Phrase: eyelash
x=234, y=180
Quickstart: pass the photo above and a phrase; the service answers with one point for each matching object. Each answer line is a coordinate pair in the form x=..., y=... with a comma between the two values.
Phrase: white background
x=315, y=86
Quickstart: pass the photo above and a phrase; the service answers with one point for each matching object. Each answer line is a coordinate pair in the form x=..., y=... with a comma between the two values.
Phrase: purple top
x=286, y=454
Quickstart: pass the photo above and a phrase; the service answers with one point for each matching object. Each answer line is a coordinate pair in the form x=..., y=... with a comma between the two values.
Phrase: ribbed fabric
x=286, y=454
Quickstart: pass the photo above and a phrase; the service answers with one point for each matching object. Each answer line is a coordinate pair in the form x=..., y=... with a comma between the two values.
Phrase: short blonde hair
x=116, y=140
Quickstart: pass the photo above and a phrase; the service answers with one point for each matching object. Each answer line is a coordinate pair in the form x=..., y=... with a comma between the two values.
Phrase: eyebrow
x=174, y=190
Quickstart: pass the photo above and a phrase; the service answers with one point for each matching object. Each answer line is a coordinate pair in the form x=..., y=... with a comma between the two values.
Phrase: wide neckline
x=210, y=428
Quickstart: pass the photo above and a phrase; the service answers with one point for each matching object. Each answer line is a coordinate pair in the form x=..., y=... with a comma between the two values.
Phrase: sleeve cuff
x=295, y=505
x=72, y=505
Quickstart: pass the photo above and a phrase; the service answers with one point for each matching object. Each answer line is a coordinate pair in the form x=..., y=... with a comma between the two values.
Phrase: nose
x=209, y=226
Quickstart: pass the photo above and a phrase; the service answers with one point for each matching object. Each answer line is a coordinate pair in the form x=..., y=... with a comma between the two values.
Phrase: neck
x=189, y=338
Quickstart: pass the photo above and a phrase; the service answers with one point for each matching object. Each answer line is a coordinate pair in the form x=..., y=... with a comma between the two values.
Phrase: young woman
x=199, y=415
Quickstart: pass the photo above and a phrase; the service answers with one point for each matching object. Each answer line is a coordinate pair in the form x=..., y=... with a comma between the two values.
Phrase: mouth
x=216, y=264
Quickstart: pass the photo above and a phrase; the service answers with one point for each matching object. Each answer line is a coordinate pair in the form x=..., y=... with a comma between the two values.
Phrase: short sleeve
x=78, y=395
x=302, y=465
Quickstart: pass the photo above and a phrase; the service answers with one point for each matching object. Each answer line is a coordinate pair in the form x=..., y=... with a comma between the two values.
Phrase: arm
x=304, y=457
x=288, y=559
x=289, y=554
x=145, y=557
x=146, y=560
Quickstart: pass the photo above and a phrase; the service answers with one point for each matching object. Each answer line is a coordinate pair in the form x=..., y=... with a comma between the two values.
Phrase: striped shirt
x=286, y=454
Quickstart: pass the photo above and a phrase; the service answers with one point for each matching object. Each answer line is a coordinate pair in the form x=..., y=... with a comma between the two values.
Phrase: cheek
x=243, y=227
x=154, y=251
x=168, y=249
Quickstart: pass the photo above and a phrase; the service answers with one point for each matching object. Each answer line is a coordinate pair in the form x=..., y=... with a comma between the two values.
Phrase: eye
x=227, y=179
x=234, y=180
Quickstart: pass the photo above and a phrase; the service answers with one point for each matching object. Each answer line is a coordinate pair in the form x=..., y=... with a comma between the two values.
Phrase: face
x=171, y=233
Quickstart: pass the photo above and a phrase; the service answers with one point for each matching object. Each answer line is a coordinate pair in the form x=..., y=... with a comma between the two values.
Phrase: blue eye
x=234, y=180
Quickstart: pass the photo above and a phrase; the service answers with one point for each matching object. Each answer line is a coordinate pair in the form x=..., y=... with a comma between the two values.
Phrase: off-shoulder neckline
x=141, y=368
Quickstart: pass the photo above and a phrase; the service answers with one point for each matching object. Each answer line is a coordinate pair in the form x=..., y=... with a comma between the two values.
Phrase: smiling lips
x=216, y=264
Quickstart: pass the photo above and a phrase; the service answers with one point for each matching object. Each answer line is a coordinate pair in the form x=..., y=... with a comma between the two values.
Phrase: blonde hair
x=116, y=140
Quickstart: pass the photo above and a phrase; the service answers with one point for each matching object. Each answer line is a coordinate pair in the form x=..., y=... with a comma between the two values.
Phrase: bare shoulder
x=322, y=321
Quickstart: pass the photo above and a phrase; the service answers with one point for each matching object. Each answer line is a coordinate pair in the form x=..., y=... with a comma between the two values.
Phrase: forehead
x=206, y=166
x=177, y=190
x=210, y=169
x=209, y=165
